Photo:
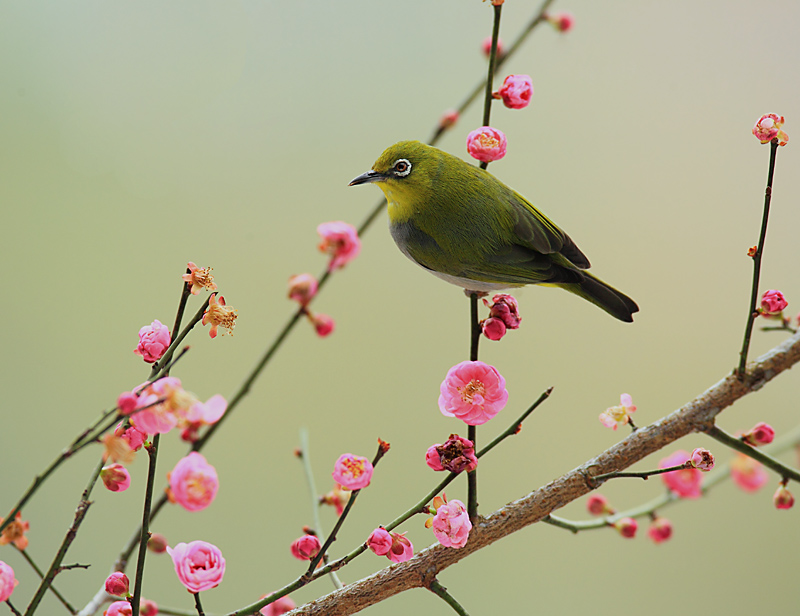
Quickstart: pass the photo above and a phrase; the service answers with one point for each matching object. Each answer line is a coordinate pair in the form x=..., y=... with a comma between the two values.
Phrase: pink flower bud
x=448, y=119
x=768, y=128
x=486, y=144
x=193, y=483
x=562, y=22
x=473, y=392
x=451, y=524
x=117, y=584
x=340, y=241
x=702, y=459
x=626, y=527
x=660, y=530
x=772, y=303
x=380, y=541
x=486, y=45
x=352, y=472
x=686, y=482
x=760, y=434
x=597, y=504
x=199, y=565
x=516, y=91
x=153, y=341
x=493, y=329
x=505, y=308
x=131, y=435
x=306, y=547
x=278, y=607
x=302, y=288
x=126, y=403
x=148, y=608
x=747, y=473
x=116, y=477
x=119, y=608
x=323, y=324
x=783, y=499
x=157, y=543
x=7, y=581
x=455, y=455
x=401, y=549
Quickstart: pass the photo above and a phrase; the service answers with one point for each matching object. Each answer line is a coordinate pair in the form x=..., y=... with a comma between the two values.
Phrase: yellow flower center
x=470, y=389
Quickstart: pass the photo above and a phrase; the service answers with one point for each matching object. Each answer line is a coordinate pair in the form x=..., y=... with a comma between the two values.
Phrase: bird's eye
x=401, y=168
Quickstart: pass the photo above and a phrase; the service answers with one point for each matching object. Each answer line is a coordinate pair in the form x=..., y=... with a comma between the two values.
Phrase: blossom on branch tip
x=302, y=288
x=562, y=22
x=747, y=473
x=783, y=499
x=126, y=403
x=116, y=478
x=7, y=581
x=117, y=584
x=278, y=607
x=772, y=303
x=616, y=416
x=660, y=530
x=340, y=240
x=493, y=329
x=597, y=504
x=685, y=482
x=154, y=339
x=486, y=144
x=323, y=324
x=157, y=543
x=768, y=128
x=199, y=565
x=760, y=434
x=516, y=91
x=15, y=532
x=199, y=278
x=306, y=547
x=193, y=483
x=219, y=315
x=457, y=454
x=702, y=459
x=626, y=527
x=473, y=392
x=451, y=524
x=352, y=472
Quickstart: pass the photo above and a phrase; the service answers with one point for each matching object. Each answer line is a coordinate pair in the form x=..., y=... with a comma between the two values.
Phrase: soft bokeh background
x=139, y=136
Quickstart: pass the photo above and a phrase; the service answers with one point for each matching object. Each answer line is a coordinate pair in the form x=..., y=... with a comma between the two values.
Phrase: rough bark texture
x=695, y=416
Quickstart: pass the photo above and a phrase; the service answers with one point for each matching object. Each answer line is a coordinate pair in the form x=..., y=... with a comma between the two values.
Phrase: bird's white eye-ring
x=401, y=167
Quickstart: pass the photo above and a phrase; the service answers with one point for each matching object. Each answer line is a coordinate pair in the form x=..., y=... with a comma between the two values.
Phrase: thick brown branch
x=697, y=415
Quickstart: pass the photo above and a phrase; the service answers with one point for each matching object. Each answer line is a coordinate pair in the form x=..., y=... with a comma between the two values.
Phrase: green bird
x=465, y=226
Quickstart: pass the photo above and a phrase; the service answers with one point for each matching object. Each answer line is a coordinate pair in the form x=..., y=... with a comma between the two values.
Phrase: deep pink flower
x=660, y=530
x=119, y=608
x=747, y=473
x=131, y=435
x=161, y=418
x=451, y=523
x=516, y=91
x=7, y=581
x=772, y=303
x=154, y=339
x=199, y=278
x=199, y=565
x=448, y=119
x=352, y=472
x=302, y=288
x=618, y=415
x=473, y=392
x=597, y=504
x=702, y=459
x=686, y=482
x=626, y=527
x=157, y=543
x=117, y=584
x=783, y=499
x=486, y=144
x=493, y=329
x=323, y=324
x=193, y=483
x=486, y=46
x=306, y=547
x=457, y=454
x=380, y=541
x=219, y=315
x=562, y=22
x=760, y=434
x=126, y=403
x=401, y=549
x=340, y=241
x=116, y=477
x=278, y=607
x=148, y=608
x=768, y=128
x=506, y=308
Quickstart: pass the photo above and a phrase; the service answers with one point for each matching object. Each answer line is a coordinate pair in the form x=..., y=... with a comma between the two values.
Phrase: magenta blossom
x=473, y=392
x=199, y=565
x=352, y=472
x=783, y=499
x=486, y=144
x=154, y=339
x=686, y=482
x=563, y=22
x=119, y=608
x=486, y=45
x=306, y=547
x=380, y=541
x=340, y=241
x=126, y=403
x=116, y=477
x=772, y=303
x=193, y=483
x=131, y=435
x=660, y=530
x=451, y=524
x=401, y=549
x=455, y=455
x=768, y=128
x=626, y=527
x=7, y=581
x=760, y=434
x=516, y=91
x=117, y=584
x=597, y=504
x=493, y=329
x=323, y=324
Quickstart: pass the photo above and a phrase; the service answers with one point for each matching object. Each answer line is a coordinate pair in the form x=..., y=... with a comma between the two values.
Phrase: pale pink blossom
x=306, y=547
x=783, y=499
x=702, y=459
x=337, y=498
x=116, y=477
x=148, y=608
x=626, y=527
x=119, y=608
x=323, y=324
x=401, y=550
x=597, y=504
x=451, y=524
x=199, y=278
x=278, y=607
x=340, y=241
x=127, y=402
x=493, y=329
x=457, y=454
x=15, y=532
x=616, y=416
x=193, y=483
x=685, y=482
x=219, y=315
x=486, y=144
x=380, y=541
x=760, y=434
x=747, y=473
x=768, y=128
x=160, y=417
x=563, y=22
x=352, y=472
x=302, y=288
x=199, y=565
x=472, y=391
x=516, y=91
x=154, y=339
x=486, y=46
x=157, y=543
x=772, y=303
x=660, y=530
x=117, y=584
x=7, y=581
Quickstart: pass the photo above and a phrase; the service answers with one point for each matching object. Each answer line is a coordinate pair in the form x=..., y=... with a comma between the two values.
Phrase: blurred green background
x=139, y=136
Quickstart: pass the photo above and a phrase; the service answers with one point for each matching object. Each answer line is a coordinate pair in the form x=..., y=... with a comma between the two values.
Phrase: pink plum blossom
x=768, y=128
x=616, y=416
x=193, y=483
x=116, y=477
x=199, y=278
x=473, y=392
x=119, y=608
x=597, y=504
x=493, y=329
x=772, y=303
x=160, y=417
x=126, y=403
x=506, y=308
x=202, y=414
x=702, y=459
x=219, y=315
x=486, y=144
x=783, y=499
x=323, y=324
x=337, y=498
x=626, y=527
x=340, y=240
x=15, y=532
x=451, y=524
x=117, y=584
x=306, y=547
x=401, y=550
x=154, y=339
x=660, y=530
x=760, y=434
x=7, y=581
x=747, y=473
x=457, y=454
x=278, y=607
x=199, y=565
x=380, y=541
x=134, y=437
x=352, y=472
x=516, y=91
x=685, y=482
x=148, y=608
x=302, y=288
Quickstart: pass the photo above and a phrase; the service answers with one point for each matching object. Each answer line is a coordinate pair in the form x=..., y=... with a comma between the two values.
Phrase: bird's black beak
x=368, y=177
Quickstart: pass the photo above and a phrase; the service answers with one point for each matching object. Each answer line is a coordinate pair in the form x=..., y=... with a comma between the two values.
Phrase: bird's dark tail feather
x=604, y=296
